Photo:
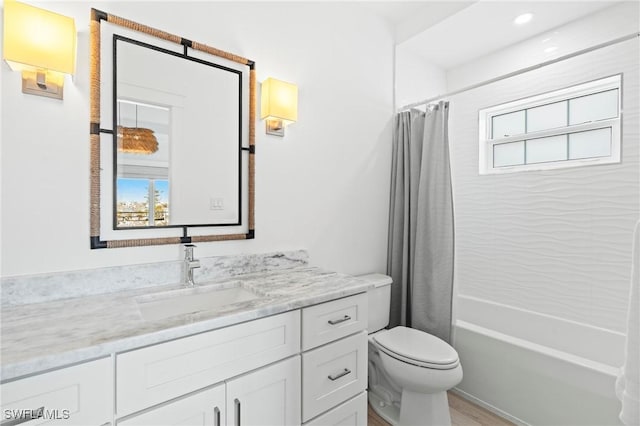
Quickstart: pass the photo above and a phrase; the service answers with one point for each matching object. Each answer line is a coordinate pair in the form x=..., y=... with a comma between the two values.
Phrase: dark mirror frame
x=95, y=130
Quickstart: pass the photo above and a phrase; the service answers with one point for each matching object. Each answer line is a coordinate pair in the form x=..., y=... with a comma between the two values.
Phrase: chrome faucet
x=189, y=265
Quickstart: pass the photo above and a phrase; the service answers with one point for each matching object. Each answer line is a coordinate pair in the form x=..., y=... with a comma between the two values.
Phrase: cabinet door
x=269, y=396
x=81, y=395
x=206, y=408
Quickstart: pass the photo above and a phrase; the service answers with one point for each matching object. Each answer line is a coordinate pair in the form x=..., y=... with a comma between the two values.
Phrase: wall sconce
x=279, y=105
x=42, y=45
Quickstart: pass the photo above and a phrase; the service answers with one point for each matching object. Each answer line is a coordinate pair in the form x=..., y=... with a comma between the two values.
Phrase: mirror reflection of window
x=142, y=202
x=142, y=183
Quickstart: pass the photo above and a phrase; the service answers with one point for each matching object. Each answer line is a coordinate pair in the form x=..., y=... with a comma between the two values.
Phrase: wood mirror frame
x=95, y=131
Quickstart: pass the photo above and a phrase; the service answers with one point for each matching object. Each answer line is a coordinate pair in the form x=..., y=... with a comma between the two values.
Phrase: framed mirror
x=172, y=131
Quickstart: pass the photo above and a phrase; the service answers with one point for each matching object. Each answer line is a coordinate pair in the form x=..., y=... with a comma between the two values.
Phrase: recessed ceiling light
x=523, y=19
x=550, y=49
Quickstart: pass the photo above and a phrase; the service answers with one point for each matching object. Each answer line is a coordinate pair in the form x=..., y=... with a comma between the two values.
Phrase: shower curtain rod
x=523, y=70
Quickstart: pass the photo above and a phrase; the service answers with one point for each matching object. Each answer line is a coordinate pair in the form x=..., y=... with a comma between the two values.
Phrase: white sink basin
x=193, y=300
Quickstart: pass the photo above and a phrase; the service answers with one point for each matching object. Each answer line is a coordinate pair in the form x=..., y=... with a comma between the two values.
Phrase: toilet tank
x=379, y=301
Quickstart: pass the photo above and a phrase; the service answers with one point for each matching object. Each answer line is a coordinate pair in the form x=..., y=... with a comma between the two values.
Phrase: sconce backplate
x=274, y=127
x=31, y=87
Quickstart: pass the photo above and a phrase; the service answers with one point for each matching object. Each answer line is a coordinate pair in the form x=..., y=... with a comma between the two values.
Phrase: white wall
x=324, y=187
x=416, y=78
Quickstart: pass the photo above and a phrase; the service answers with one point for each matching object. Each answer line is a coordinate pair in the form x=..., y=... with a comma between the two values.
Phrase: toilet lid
x=418, y=347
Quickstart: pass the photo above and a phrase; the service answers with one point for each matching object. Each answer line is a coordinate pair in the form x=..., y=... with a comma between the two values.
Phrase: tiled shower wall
x=556, y=242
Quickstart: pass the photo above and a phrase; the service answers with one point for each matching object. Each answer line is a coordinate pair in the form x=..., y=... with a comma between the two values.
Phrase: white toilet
x=410, y=371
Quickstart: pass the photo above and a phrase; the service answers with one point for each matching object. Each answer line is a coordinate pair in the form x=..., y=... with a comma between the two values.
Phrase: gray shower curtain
x=421, y=228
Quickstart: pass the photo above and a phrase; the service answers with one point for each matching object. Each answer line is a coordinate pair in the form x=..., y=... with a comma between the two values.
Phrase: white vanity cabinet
x=269, y=396
x=206, y=408
x=257, y=366
x=303, y=366
x=81, y=395
x=159, y=373
x=330, y=321
x=350, y=413
x=334, y=362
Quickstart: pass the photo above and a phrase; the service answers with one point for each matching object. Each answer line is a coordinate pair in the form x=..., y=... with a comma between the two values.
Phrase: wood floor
x=463, y=413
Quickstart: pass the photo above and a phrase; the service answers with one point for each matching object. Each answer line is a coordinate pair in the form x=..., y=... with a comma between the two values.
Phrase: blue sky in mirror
x=131, y=190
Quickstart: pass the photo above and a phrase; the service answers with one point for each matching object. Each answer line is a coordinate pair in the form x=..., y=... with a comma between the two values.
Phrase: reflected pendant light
x=136, y=140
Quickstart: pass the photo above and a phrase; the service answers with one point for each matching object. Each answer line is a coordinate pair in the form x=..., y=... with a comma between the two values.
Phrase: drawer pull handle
x=237, y=403
x=338, y=321
x=340, y=374
x=27, y=415
x=216, y=414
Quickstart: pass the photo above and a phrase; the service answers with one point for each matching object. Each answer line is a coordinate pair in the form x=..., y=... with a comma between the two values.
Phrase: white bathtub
x=537, y=369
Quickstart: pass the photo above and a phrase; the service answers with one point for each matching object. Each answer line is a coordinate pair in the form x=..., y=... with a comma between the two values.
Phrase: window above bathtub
x=575, y=126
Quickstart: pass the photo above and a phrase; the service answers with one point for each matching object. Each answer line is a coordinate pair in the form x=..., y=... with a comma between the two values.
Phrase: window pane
x=591, y=144
x=161, y=202
x=133, y=202
x=508, y=154
x=543, y=150
x=508, y=124
x=547, y=117
x=599, y=106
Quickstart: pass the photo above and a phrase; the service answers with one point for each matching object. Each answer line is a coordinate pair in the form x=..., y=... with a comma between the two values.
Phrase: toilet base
x=416, y=409
x=388, y=412
x=428, y=409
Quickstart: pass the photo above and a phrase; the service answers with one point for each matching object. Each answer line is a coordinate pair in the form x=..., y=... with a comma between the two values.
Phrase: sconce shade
x=279, y=101
x=37, y=39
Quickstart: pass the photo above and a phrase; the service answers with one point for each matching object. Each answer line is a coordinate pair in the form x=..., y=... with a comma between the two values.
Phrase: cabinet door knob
x=335, y=377
x=216, y=417
x=237, y=403
x=24, y=416
x=338, y=321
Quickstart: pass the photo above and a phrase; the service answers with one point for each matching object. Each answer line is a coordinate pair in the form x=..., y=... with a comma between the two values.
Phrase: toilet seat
x=417, y=347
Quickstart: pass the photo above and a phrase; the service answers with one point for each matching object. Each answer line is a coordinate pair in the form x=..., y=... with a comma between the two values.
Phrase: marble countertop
x=43, y=336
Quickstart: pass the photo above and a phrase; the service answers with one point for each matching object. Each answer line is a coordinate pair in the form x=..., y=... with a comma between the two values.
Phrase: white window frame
x=485, y=120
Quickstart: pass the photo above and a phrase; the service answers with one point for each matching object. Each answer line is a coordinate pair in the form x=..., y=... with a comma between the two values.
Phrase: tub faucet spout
x=189, y=265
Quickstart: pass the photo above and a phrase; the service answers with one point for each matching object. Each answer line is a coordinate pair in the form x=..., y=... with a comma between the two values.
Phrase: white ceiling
x=450, y=33
x=395, y=12
x=408, y=18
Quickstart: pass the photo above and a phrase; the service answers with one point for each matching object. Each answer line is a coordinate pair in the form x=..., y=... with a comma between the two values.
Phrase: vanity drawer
x=79, y=395
x=351, y=413
x=333, y=320
x=333, y=373
x=155, y=374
